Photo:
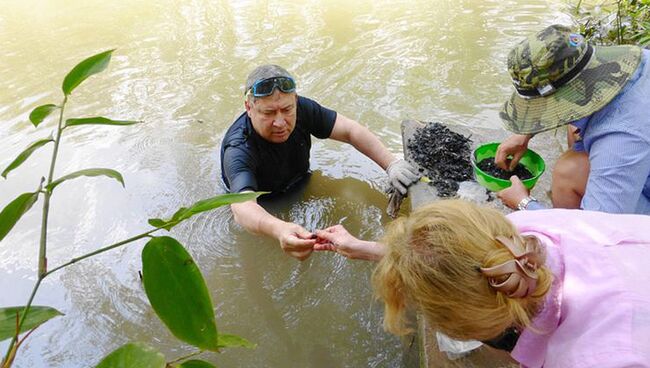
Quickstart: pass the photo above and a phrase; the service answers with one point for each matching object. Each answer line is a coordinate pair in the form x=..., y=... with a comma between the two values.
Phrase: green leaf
x=168, y=224
x=24, y=155
x=201, y=206
x=40, y=113
x=87, y=172
x=98, y=120
x=195, y=363
x=35, y=317
x=157, y=223
x=233, y=341
x=93, y=65
x=15, y=210
x=133, y=355
x=644, y=40
x=177, y=292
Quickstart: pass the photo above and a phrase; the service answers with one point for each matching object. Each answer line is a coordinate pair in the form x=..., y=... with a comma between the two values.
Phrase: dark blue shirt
x=249, y=162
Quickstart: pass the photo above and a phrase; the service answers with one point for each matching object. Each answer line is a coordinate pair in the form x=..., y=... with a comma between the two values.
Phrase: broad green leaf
x=35, y=317
x=93, y=65
x=177, y=292
x=201, y=206
x=15, y=210
x=157, y=223
x=40, y=113
x=133, y=355
x=24, y=155
x=233, y=341
x=87, y=172
x=98, y=120
x=195, y=363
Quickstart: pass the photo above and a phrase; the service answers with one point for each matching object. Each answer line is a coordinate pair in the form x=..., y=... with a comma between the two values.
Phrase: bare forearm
x=370, y=145
x=349, y=131
x=371, y=251
x=255, y=219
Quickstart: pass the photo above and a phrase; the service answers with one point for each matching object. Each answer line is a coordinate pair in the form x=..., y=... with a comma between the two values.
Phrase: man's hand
x=296, y=241
x=512, y=195
x=401, y=175
x=337, y=239
x=515, y=146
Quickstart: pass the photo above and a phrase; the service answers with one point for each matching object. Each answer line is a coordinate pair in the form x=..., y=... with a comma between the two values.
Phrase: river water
x=180, y=66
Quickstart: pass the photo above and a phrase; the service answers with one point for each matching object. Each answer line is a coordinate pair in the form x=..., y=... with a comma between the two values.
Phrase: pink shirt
x=597, y=313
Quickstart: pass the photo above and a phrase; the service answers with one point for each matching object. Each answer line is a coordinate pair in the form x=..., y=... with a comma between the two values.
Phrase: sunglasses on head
x=265, y=87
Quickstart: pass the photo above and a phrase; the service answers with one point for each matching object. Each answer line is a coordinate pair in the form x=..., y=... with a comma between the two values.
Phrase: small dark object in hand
x=489, y=167
x=444, y=156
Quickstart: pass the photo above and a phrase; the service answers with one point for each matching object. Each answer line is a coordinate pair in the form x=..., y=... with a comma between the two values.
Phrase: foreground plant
x=173, y=283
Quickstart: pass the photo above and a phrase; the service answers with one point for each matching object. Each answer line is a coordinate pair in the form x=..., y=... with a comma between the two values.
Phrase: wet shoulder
x=238, y=133
x=315, y=118
x=305, y=103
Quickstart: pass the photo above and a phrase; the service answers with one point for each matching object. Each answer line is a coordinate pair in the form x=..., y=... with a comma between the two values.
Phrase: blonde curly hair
x=433, y=262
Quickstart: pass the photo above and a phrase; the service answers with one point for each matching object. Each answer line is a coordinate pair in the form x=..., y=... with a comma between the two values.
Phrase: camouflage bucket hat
x=560, y=78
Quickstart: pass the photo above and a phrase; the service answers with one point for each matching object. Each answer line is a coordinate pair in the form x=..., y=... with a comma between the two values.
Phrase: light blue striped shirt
x=617, y=139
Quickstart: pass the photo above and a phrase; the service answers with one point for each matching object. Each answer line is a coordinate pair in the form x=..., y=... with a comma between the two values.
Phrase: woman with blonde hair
x=556, y=288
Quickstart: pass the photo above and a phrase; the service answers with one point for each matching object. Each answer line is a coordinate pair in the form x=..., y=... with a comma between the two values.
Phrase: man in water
x=603, y=94
x=267, y=149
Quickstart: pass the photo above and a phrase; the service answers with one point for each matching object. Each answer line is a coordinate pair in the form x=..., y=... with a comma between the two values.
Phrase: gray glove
x=401, y=175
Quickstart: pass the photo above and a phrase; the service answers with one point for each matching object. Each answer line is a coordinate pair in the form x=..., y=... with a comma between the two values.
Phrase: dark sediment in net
x=443, y=156
x=489, y=167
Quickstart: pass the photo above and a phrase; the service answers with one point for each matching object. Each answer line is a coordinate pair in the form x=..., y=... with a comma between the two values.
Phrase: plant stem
x=22, y=318
x=74, y=260
x=101, y=250
x=619, y=33
x=578, y=6
x=184, y=357
x=42, y=254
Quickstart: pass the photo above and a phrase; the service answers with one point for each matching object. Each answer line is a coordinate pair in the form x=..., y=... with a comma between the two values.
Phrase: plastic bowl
x=531, y=161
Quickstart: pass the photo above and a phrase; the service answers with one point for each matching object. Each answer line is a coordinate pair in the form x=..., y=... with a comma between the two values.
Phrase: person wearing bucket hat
x=267, y=149
x=602, y=93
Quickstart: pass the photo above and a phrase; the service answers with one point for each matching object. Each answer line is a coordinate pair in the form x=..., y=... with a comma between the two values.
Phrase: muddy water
x=179, y=66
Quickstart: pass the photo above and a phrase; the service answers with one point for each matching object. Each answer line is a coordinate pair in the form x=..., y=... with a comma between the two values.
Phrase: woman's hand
x=338, y=239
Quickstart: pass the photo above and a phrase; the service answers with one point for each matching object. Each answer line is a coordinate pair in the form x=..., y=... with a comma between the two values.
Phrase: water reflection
x=324, y=297
x=318, y=312
x=180, y=66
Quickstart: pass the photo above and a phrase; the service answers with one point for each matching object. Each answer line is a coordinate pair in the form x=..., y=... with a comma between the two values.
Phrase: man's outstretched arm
x=400, y=173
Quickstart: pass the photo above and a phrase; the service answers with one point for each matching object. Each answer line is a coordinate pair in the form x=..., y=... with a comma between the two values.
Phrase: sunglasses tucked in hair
x=265, y=87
